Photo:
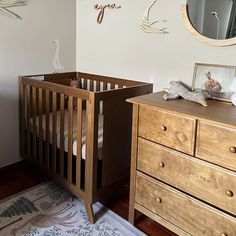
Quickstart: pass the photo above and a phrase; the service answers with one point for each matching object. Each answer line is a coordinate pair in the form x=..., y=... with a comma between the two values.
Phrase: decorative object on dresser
x=178, y=90
x=6, y=4
x=147, y=25
x=214, y=79
x=233, y=89
x=183, y=169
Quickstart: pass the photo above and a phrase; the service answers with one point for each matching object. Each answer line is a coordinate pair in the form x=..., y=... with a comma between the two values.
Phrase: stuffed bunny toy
x=177, y=89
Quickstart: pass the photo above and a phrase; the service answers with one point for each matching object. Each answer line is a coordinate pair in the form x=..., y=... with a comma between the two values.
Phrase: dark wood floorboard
x=20, y=176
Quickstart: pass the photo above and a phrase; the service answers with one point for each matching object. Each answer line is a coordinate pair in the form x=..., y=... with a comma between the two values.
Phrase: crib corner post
x=21, y=115
x=90, y=212
x=91, y=147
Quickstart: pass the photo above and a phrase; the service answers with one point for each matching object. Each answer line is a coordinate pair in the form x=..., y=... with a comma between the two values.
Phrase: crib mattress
x=74, y=142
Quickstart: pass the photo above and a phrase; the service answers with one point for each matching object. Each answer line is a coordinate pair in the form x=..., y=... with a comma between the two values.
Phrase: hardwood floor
x=20, y=176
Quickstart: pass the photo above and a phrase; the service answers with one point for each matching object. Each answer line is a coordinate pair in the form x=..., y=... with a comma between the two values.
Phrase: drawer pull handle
x=232, y=149
x=159, y=200
x=163, y=128
x=224, y=234
x=229, y=193
x=162, y=165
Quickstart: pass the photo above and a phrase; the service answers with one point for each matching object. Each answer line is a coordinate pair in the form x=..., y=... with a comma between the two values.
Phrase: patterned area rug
x=50, y=210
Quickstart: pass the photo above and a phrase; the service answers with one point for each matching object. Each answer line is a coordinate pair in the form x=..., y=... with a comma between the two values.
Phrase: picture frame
x=215, y=79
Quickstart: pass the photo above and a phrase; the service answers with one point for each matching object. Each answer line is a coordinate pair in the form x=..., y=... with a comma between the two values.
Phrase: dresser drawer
x=217, y=144
x=201, y=179
x=191, y=215
x=168, y=129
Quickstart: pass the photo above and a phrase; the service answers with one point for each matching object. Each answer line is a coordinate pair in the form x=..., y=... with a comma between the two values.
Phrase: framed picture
x=215, y=79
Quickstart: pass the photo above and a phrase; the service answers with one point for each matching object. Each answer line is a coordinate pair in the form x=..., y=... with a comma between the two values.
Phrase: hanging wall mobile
x=102, y=9
x=6, y=5
x=150, y=26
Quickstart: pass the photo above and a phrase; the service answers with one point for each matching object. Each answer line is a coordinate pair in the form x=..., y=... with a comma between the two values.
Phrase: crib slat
x=98, y=86
x=79, y=142
x=62, y=126
x=104, y=85
x=22, y=117
x=120, y=86
x=85, y=84
x=28, y=95
x=54, y=131
x=91, y=85
x=34, y=109
x=112, y=86
x=47, y=104
x=92, y=110
x=40, y=130
x=70, y=137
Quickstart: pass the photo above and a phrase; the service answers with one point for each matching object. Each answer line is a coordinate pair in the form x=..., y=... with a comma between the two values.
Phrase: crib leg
x=90, y=213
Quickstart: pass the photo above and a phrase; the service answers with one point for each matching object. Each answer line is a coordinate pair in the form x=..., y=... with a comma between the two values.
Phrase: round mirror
x=212, y=19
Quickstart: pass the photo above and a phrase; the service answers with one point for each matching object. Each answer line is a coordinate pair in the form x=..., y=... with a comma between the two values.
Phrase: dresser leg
x=132, y=216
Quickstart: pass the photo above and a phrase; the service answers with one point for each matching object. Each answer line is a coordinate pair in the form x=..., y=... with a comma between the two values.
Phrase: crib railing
x=98, y=83
x=47, y=110
x=40, y=104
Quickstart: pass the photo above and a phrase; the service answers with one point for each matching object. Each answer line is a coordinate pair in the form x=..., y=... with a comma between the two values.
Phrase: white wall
x=118, y=47
x=26, y=48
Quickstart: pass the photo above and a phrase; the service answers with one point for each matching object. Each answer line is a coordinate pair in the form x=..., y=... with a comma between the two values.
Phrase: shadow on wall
x=9, y=137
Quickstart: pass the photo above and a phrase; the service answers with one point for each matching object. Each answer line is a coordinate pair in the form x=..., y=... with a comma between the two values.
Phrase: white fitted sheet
x=74, y=143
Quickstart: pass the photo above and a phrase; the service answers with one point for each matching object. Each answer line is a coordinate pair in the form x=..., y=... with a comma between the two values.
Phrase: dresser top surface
x=218, y=111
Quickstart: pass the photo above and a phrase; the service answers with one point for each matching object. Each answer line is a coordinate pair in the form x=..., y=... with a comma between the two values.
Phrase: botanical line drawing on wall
x=6, y=4
x=148, y=25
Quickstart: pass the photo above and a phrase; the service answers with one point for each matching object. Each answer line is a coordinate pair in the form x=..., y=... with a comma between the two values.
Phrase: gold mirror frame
x=200, y=37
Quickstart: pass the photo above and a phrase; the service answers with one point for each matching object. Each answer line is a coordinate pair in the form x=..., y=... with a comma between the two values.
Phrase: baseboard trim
x=13, y=165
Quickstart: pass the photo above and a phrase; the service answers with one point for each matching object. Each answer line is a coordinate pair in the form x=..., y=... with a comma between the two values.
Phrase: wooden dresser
x=183, y=170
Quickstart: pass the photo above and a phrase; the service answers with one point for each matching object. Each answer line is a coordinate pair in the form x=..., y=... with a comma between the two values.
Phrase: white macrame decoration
x=56, y=59
x=147, y=25
x=6, y=4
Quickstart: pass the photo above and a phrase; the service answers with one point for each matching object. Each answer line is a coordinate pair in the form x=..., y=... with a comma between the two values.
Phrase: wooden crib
x=80, y=137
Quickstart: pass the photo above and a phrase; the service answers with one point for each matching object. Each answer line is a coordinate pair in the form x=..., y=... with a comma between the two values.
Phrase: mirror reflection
x=214, y=19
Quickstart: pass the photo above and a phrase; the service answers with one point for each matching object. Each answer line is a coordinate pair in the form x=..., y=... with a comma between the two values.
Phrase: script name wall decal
x=102, y=8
